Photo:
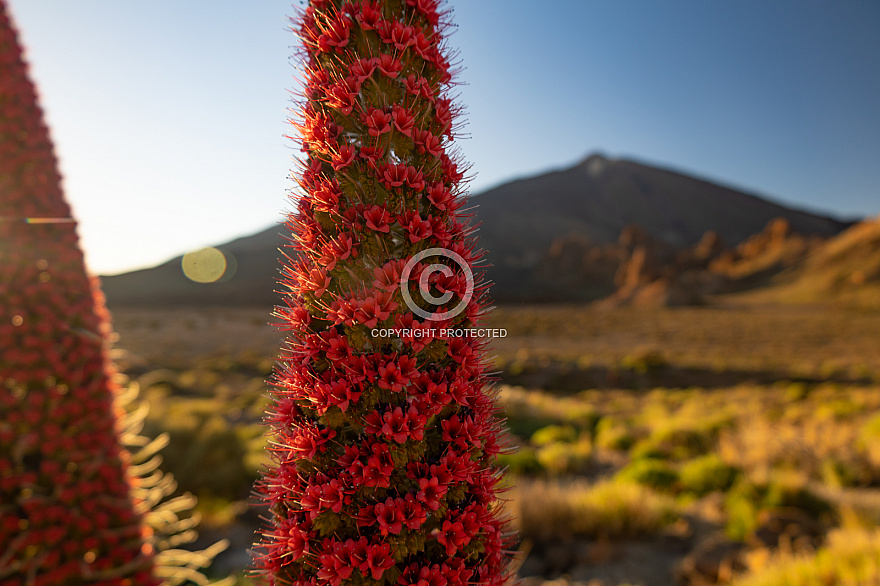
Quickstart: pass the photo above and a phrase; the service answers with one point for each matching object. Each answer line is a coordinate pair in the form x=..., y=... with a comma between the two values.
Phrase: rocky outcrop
x=641, y=270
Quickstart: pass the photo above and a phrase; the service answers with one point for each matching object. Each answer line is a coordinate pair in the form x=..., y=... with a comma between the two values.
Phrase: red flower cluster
x=66, y=514
x=384, y=446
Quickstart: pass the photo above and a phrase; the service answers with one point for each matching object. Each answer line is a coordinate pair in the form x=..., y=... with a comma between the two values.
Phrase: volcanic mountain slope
x=519, y=222
x=249, y=281
x=845, y=269
x=597, y=198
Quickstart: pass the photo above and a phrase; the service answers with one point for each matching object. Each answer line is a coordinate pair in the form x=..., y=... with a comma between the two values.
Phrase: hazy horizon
x=268, y=225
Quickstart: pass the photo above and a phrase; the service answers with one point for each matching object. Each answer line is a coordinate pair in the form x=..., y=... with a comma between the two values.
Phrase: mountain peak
x=595, y=163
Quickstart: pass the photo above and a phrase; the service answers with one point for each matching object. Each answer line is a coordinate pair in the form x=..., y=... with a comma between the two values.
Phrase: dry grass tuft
x=851, y=558
x=552, y=510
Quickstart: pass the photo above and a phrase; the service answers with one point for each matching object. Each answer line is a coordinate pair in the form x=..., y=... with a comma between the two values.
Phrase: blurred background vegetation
x=710, y=445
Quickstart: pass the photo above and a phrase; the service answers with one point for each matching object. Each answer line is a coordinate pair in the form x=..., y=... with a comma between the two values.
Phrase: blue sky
x=168, y=116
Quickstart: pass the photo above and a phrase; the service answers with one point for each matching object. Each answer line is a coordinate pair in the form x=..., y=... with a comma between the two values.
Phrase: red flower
x=416, y=227
x=391, y=377
x=372, y=154
x=415, y=422
x=370, y=15
x=318, y=79
x=358, y=369
x=427, y=143
x=443, y=114
x=342, y=311
x=414, y=515
x=430, y=492
x=387, y=277
x=341, y=393
x=317, y=281
x=452, y=535
x=420, y=333
x=440, y=196
x=388, y=65
x=374, y=309
x=377, y=218
x=336, y=346
x=418, y=86
x=338, y=249
x=415, y=179
x=396, y=33
x=309, y=440
x=403, y=120
x=378, y=560
x=341, y=96
x=379, y=466
x=428, y=8
x=361, y=70
x=343, y=157
x=395, y=425
x=389, y=517
x=450, y=169
x=393, y=175
x=377, y=121
x=424, y=47
x=325, y=196
x=335, y=564
x=336, y=35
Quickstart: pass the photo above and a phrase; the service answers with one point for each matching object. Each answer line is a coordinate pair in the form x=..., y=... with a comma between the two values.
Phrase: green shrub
x=208, y=455
x=523, y=461
x=838, y=409
x=647, y=449
x=869, y=440
x=562, y=458
x=707, y=474
x=782, y=493
x=614, y=434
x=644, y=361
x=653, y=473
x=747, y=499
x=796, y=391
x=554, y=433
x=523, y=426
x=742, y=516
x=550, y=510
x=676, y=443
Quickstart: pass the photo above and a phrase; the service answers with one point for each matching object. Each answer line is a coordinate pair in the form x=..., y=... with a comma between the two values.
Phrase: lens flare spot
x=17, y=320
x=204, y=266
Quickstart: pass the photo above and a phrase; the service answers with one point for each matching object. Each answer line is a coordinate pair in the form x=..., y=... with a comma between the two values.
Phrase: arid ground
x=731, y=443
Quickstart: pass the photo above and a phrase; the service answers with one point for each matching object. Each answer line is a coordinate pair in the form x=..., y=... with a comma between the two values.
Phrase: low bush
x=608, y=509
x=521, y=462
x=564, y=457
x=554, y=433
x=706, y=474
x=851, y=556
x=614, y=434
x=747, y=499
x=649, y=472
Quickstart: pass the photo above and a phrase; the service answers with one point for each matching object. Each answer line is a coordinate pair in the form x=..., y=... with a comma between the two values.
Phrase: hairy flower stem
x=67, y=514
x=384, y=425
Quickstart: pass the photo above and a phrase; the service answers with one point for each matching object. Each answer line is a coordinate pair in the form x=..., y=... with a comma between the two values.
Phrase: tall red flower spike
x=66, y=512
x=385, y=433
